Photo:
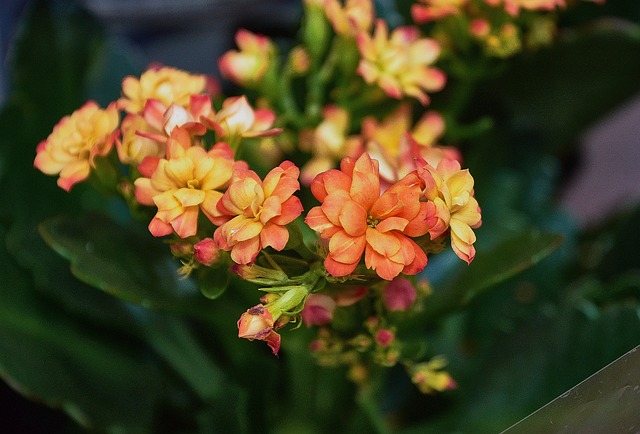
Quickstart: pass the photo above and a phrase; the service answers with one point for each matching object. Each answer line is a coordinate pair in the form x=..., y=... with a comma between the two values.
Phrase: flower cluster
x=382, y=191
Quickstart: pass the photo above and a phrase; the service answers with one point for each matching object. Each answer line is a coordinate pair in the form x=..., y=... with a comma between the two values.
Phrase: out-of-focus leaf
x=65, y=363
x=490, y=267
x=125, y=263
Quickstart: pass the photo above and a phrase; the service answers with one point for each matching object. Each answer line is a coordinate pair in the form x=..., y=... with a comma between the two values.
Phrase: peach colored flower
x=165, y=84
x=396, y=150
x=328, y=143
x=237, y=119
x=254, y=212
x=353, y=17
x=356, y=219
x=248, y=65
x=450, y=190
x=400, y=64
x=431, y=10
x=76, y=140
x=188, y=180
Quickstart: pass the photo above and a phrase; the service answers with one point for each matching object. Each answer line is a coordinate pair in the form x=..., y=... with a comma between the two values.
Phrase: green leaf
x=213, y=281
x=490, y=267
x=47, y=354
x=124, y=262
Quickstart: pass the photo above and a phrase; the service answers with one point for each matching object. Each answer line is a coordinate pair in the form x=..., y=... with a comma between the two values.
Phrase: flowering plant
x=316, y=203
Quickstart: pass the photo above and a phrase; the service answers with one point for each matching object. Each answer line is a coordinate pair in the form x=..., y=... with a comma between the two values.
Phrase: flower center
x=372, y=222
x=193, y=183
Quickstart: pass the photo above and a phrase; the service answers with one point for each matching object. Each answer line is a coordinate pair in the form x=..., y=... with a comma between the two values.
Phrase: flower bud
x=206, y=252
x=384, y=337
x=399, y=295
x=318, y=310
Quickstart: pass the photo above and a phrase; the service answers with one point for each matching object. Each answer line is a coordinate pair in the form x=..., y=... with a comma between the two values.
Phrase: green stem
x=368, y=404
x=318, y=81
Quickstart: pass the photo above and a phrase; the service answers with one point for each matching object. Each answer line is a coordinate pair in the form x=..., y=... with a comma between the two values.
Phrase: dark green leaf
x=125, y=263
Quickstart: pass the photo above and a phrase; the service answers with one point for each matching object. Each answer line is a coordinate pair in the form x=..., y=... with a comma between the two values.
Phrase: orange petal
x=274, y=236
x=353, y=218
x=345, y=248
x=338, y=269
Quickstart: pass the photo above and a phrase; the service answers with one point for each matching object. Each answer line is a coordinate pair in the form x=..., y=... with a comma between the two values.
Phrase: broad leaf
x=125, y=263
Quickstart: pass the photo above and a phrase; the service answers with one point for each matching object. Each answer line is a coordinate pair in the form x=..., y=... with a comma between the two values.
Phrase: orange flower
x=400, y=64
x=254, y=212
x=513, y=6
x=450, y=191
x=354, y=16
x=258, y=323
x=431, y=10
x=76, y=140
x=189, y=179
x=165, y=84
x=356, y=219
x=247, y=66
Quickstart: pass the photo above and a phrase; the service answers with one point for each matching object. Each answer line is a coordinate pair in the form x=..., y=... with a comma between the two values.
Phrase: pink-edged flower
x=237, y=118
x=253, y=213
x=395, y=149
x=400, y=64
x=187, y=181
x=75, y=141
x=318, y=310
x=357, y=220
x=248, y=65
x=399, y=295
x=328, y=143
x=145, y=134
x=450, y=191
x=431, y=10
x=353, y=17
x=165, y=84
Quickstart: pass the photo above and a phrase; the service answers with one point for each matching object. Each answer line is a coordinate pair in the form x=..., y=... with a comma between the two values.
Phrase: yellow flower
x=400, y=64
x=75, y=141
x=168, y=85
x=188, y=180
x=450, y=189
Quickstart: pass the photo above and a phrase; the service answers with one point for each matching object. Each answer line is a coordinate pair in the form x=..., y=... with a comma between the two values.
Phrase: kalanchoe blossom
x=188, y=180
x=400, y=64
x=328, y=143
x=237, y=119
x=253, y=213
x=513, y=7
x=76, y=141
x=353, y=17
x=355, y=219
x=396, y=150
x=248, y=65
x=450, y=191
x=165, y=84
x=431, y=10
